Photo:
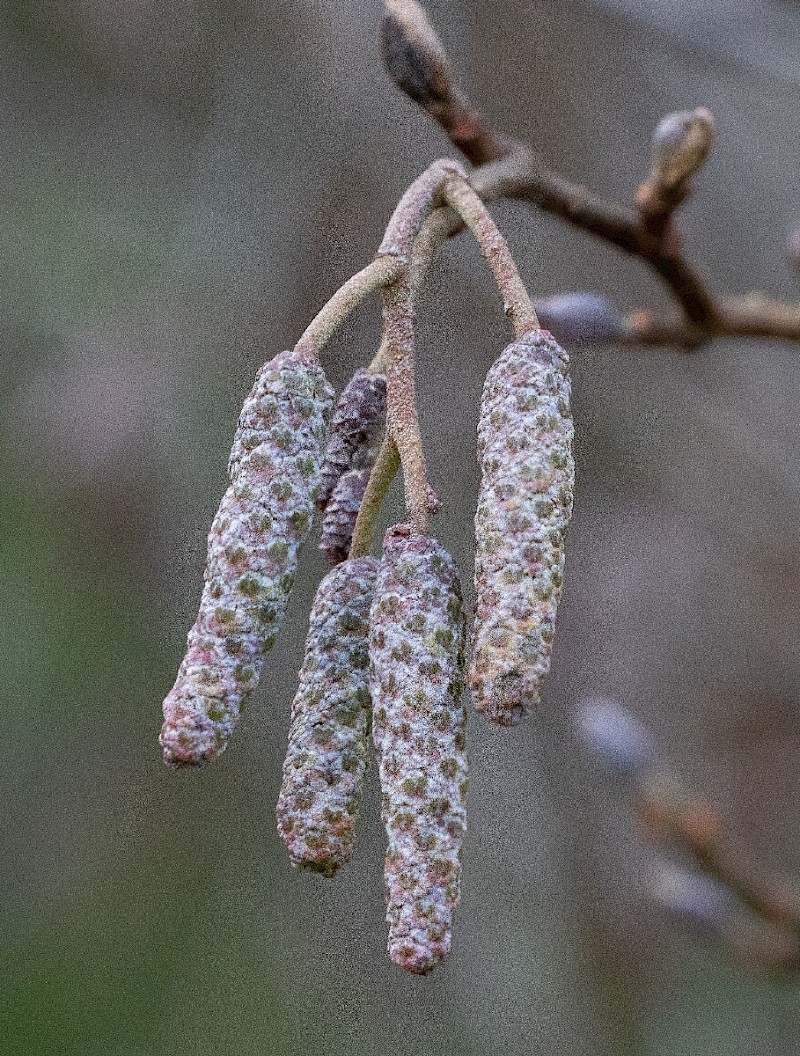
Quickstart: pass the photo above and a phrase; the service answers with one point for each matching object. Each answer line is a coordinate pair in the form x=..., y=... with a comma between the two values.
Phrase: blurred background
x=183, y=186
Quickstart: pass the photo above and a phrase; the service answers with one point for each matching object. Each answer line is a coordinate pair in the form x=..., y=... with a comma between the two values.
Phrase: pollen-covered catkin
x=524, y=506
x=327, y=755
x=264, y=516
x=416, y=677
x=341, y=513
x=356, y=430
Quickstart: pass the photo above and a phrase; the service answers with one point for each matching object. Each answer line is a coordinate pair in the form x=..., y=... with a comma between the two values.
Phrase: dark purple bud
x=580, y=318
x=414, y=56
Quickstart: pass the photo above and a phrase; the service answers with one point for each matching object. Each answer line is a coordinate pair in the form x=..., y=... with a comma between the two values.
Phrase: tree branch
x=507, y=168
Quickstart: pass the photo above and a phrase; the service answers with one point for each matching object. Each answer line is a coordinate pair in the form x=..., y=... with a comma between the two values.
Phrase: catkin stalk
x=327, y=755
x=416, y=658
x=524, y=506
x=264, y=516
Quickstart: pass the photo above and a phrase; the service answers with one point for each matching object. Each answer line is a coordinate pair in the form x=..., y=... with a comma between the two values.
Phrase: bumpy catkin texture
x=356, y=430
x=524, y=505
x=264, y=516
x=416, y=676
x=324, y=768
x=341, y=513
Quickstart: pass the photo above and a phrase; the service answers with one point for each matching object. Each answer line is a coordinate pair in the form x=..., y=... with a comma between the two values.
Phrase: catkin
x=524, y=505
x=341, y=513
x=327, y=755
x=264, y=516
x=356, y=430
x=416, y=676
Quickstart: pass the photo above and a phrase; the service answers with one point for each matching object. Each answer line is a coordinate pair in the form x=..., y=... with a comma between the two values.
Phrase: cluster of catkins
x=385, y=652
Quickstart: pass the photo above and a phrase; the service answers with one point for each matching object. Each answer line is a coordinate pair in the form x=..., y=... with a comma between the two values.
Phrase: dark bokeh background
x=182, y=186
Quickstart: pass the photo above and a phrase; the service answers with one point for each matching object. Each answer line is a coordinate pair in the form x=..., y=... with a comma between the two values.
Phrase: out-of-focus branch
x=753, y=911
x=507, y=168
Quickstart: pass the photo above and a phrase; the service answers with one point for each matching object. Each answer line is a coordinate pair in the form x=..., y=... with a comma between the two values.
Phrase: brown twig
x=755, y=912
x=670, y=816
x=506, y=168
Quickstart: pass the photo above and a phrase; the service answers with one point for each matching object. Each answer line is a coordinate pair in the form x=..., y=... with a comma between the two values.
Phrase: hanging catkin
x=416, y=658
x=327, y=755
x=524, y=505
x=264, y=516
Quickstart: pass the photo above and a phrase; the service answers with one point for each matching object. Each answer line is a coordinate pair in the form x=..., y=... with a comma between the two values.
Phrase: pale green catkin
x=419, y=729
x=326, y=759
x=524, y=505
x=264, y=516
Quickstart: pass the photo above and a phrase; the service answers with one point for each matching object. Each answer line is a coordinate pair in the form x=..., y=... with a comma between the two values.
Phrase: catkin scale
x=356, y=430
x=524, y=504
x=416, y=676
x=265, y=514
x=327, y=755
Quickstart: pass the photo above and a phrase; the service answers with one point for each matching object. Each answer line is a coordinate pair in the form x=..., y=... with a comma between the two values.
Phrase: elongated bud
x=580, y=319
x=414, y=55
x=615, y=737
x=340, y=516
x=697, y=899
x=524, y=506
x=262, y=520
x=681, y=143
x=416, y=657
x=327, y=755
x=356, y=430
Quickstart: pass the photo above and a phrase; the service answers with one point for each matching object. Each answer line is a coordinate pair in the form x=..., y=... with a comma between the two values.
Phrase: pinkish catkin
x=264, y=516
x=416, y=677
x=524, y=506
x=326, y=759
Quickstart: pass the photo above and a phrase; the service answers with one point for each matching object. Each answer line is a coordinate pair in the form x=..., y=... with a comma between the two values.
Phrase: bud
x=340, y=516
x=698, y=899
x=524, y=506
x=681, y=143
x=327, y=755
x=615, y=737
x=414, y=55
x=793, y=247
x=580, y=318
x=417, y=656
x=356, y=430
x=263, y=518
